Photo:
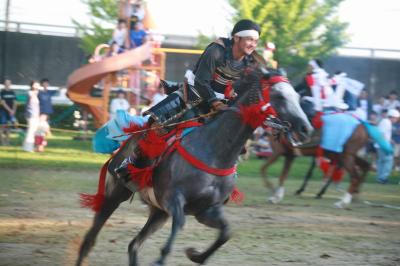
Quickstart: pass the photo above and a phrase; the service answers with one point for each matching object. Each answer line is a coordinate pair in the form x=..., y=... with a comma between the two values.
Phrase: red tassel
x=253, y=115
x=317, y=120
x=93, y=202
x=141, y=176
x=152, y=145
x=236, y=196
x=338, y=174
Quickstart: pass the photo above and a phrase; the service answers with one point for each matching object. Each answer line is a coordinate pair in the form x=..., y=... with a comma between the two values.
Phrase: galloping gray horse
x=181, y=189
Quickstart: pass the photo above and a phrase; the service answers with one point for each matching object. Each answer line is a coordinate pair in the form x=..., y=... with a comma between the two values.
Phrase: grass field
x=41, y=222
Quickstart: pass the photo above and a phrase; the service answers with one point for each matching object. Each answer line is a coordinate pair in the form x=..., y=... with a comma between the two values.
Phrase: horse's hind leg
x=263, y=171
x=110, y=204
x=349, y=165
x=324, y=188
x=212, y=217
x=156, y=220
x=307, y=177
x=175, y=209
x=364, y=167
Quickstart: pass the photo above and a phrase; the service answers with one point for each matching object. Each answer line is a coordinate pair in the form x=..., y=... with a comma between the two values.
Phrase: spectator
x=396, y=144
x=8, y=108
x=379, y=106
x=137, y=12
x=137, y=35
x=364, y=105
x=385, y=160
x=268, y=55
x=114, y=50
x=120, y=34
x=392, y=102
x=158, y=96
x=46, y=106
x=119, y=103
x=40, y=136
x=32, y=115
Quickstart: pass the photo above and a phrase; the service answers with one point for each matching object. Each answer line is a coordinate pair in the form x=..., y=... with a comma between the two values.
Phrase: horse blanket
x=336, y=130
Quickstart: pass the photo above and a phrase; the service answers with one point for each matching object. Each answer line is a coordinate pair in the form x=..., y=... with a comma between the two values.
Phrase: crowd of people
x=38, y=109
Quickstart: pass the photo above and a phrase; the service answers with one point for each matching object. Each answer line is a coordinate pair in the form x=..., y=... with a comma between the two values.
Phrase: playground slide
x=82, y=80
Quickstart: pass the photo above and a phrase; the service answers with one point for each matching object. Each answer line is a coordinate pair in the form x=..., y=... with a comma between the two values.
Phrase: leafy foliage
x=300, y=29
x=103, y=13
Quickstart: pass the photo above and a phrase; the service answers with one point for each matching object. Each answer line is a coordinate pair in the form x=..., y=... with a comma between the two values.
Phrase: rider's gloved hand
x=218, y=106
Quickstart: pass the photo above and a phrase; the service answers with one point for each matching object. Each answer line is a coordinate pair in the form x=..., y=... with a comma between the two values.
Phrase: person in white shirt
x=319, y=84
x=385, y=160
x=119, y=103
x=392, y=102
x=120, y=33
x=158, y=96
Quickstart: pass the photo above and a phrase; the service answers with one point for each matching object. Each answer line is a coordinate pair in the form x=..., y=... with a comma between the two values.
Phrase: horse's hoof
x=298, y=192
x=340, y=204
x=273, y=200
x=194, y=255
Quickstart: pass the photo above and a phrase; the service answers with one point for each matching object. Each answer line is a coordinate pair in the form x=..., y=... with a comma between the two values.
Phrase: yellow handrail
x=178, y=51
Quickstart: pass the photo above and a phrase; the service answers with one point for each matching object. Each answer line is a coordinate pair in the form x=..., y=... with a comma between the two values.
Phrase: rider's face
x=246, y=45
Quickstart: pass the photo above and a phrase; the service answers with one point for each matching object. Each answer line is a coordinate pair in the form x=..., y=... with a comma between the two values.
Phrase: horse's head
x=270, y=86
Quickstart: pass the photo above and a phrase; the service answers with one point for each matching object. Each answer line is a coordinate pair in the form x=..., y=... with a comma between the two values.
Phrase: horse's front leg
x=212, y=217
x=175, y=209
x=156, y=220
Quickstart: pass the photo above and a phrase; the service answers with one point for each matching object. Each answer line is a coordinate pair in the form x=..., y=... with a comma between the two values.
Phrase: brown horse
x=355, y=166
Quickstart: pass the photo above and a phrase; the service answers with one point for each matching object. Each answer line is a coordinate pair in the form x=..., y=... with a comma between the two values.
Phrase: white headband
x=248, y=33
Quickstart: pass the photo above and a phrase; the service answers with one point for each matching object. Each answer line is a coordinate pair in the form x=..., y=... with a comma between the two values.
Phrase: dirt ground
x=42, y=224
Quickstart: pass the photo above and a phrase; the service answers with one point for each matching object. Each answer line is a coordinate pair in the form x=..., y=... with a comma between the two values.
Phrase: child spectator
x=120, y=33
x=8, y=108
x=137, y=35
x=40, y=136
x=114, y=50
x=119, y=103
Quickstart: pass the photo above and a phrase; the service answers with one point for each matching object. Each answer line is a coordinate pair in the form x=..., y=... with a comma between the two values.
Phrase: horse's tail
x=376, y=135
x=95, y=202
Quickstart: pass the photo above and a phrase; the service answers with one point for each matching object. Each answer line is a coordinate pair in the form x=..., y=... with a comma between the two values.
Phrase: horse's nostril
x=304, y=129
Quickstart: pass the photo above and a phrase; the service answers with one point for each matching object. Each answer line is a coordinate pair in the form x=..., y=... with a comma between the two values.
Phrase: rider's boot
x=122, y=171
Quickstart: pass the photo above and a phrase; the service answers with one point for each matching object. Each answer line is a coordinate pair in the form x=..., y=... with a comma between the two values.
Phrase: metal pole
x=7, y=15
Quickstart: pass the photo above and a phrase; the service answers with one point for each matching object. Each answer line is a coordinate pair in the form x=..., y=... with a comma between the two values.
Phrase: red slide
x=82, y=80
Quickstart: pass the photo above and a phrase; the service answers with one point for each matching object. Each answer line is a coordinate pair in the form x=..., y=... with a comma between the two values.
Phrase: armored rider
x=210, y=83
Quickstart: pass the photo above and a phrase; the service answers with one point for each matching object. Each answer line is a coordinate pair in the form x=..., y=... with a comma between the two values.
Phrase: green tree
x=300, y=29
x=104, y=14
